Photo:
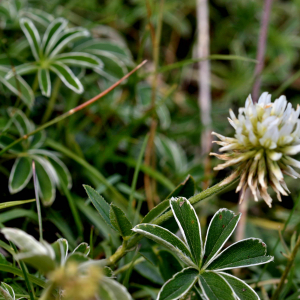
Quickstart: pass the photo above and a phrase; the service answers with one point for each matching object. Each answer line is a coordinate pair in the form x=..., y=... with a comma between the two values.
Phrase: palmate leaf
x=79, y=59
x=20, y=120
x=189, y=225
x=167, y=239
x=32, y=36
x=66, y=37
x=242, y=290
x=51, y=34
x=44, y=82
x=220, y=229
x=245, y=253
x=214, y=287
x=67, y=76
x=18, y=86
x=179, y=284
x=23, y=69
x=20, y=174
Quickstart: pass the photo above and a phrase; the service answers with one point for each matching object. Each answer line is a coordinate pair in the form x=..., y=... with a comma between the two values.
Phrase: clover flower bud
x=266, y=135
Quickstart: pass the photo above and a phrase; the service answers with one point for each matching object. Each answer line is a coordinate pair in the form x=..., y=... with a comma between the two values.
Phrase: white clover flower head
x=266, y=135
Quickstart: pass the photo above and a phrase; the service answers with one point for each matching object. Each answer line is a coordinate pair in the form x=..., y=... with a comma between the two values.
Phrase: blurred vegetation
x=100, y=144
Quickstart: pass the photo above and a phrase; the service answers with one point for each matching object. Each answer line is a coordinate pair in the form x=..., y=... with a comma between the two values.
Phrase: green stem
x=56, y=146
x=214, y=190
x=38, y=204
x=287, y=270
x=24, y=271
x=135, y=176
x=127, y=266
x=278, y=240
x=52, y=100
x=73, y=208
x=72, y=111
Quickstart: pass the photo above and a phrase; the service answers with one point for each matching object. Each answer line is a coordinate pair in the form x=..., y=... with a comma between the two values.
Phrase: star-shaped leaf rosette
x=205, y=264
x=266, y=135
x=47, y=52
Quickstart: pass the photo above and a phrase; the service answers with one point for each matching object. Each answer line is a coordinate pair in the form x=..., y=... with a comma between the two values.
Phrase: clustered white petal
x=266, y=134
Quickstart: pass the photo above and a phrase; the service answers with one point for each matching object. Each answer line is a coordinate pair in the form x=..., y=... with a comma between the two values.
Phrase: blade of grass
x=135, y=176
x=14, y=203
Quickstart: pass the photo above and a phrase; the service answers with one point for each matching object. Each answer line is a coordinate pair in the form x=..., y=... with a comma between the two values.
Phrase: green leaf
x=78, y=258
x=38, y=16
x=107, y=271
x=168, y=264
x=83, y=248
x=14, y=203
x=106, y=46
x=32, y=36
x=115, y=289
x=245, y=253
x=23, y=69
x=60, y=248
x=6, y=140
x=61, y=170
x=214, y=287
x=167, y=239
x=18, y=86
x=18, y=272
x=149, y=271
x=38, y=139
x=45, y=184
x=220, y=229
x=155, y=212
x=67, y=76
x=119, y=221
x=52, y=32
x=189, y=225
x=80, y=59
x=20, y=120
x=20, y=174
x=185, y=189
x=44, y=82
x=178, y=285
x=7, y=291
x=100, y=204
x=242, y=290
x=40, y=255
x=113, y=68
x=66, y=37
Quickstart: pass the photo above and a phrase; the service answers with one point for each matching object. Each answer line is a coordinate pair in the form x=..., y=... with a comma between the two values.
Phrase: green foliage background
x=100, y=145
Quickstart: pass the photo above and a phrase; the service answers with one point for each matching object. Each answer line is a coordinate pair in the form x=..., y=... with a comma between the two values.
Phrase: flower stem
x=72, y=111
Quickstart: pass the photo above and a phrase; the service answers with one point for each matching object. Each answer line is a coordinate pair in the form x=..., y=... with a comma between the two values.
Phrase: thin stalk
x=135, y=175
x=38, y=204
x=72, y=111
x=73, y=208
x=24, y=271
x=287, y=270
x=278, y=240
x=261, y=48
x=214, y=190
x=52, y=100
x=150, y=153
